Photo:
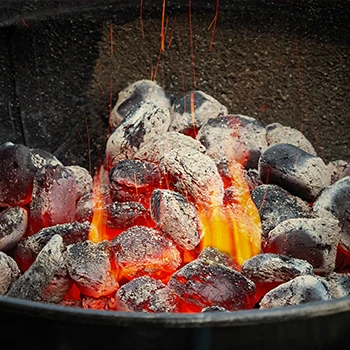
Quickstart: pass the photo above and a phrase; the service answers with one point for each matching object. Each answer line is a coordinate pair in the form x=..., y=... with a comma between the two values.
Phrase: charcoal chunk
x=90, y=268
x=9, y=272
x=13, y=225
x=132, y=95
x=42, y=158
x=314, y=240
x=339, y=284
x=17, y=173
x=28, y=249
x=297, y=171
x=214, y=308
x=277, y=133
x=145, y=251
x=213, y=255
x=338, y=169
x=54, y=198
x=144, y=121
x=334, y=202
x=83, y=179
x=191, y=111
x=233, y=138
x=204, y=284
x=165, y=300
x=85, y=207
x=300, y=290
x=135, y=295
x=276, y=205
x=177, y=217
x=101, y=303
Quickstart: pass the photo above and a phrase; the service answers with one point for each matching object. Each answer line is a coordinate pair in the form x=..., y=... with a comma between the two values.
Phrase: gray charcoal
x=125, y=215
x=334, y=202
x=102, y=303
x=145, y=251
x=144, y=121
x=265, y=268
x=277, y=133
x=42, y=158
x=177, y=217
x=133, y=180
x=297, y=171
x=252, y=178
x=204, y=284
x=313, y=240
x=83, y=179
x=17, y=173
x=300, y=290
x=135, y=295
x=54, y=198
x=214, y=308
x=13, y=225
x=28, y=249
x=339, y=284
x=132, y=95
x=34, y=281
x=9, y=272
x=338, y=169
x=85, y=207
x=276, y=205
x=165, y=300
x=233, y=138
x=90, y=268
x=193, y=174
x=154, y=149
x=215, y=256
x=191, y=111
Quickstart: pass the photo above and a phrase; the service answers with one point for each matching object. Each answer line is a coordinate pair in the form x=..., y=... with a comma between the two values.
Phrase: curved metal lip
x=212, y=319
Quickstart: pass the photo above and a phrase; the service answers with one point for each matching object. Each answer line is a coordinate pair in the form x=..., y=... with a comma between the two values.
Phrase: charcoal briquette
x=83, y=179
x=164, y=300
x=214, y=308
x=42, y=158
x=9, y=272
x=339, y=284
x=213, y=255
x=338, y=169
x=101, y=303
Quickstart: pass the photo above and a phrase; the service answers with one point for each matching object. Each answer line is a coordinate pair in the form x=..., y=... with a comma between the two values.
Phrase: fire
x=234, y=227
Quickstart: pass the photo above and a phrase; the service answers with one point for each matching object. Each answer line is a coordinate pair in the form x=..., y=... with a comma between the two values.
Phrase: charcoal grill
x=52, y=97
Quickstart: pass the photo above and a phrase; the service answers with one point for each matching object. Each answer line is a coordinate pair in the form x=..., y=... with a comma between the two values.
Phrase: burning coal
x=194, y=210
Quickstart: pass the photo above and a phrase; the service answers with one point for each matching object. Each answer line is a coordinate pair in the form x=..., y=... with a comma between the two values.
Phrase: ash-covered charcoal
x=132, y=95
x=13, y=225
x=233, y=138
x=9, y=272
x=297, y=171
x=268, y=271
x=102, y=303
x=84, y=210
x=276, y=205
x=125, y=215
x=154, y=149
x=165, y=300
x=300, y=290
x=90, y=268
x=204, y=284
x=277, y=133
x=338, y=170
x=145, y=251
x=191, y=111
x=54, y=198
x=135, y=295
x=214, y=308
x=27, y=250
x=144, y=121
x=133, y=181
x=252, y=178
x=83, y=179
x=42, y=158
x=34, y=281
x=17, y=173
x=334, y=202
x=215, y=256
x=339, y=284
x=313, y=240
x=177, y=217
x=193, y=174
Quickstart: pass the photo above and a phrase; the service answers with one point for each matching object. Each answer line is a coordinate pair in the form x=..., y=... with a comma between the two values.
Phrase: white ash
x=83, y=179
x=300, y=290
x=154, y=149
x=146, y=120
x=193, y=110
x=13, y=225
x=277, y=133
x=32, y=283
x=9, y=272
x=338, y=169
x=339, y=284
x=314, y=240
x=193, y=173
x=142, y=90
x=41, y=158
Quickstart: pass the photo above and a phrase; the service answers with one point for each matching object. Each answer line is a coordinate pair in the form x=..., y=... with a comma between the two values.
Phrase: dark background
x=62, y=64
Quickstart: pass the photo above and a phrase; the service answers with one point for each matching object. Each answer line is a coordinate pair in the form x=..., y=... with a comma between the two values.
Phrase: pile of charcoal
x=165, y=156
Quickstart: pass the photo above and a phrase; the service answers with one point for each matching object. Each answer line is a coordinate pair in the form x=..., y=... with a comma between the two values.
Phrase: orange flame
x=233, y=228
